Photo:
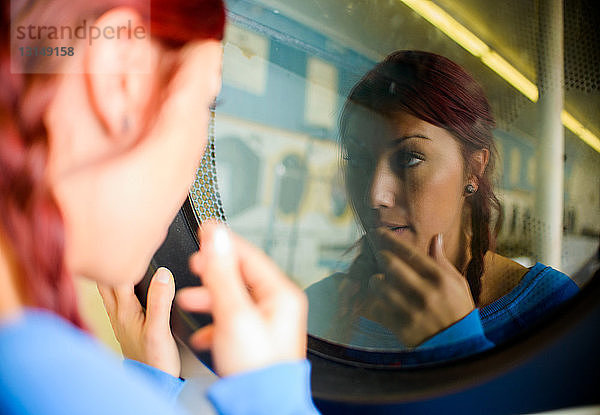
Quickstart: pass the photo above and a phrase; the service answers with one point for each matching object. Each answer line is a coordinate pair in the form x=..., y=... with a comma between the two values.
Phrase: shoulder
x=68, y=370
x=323, y=304
x=541, y=288
x=326, y=287
x=505, y=277
x=551, y=281
x=501, y=276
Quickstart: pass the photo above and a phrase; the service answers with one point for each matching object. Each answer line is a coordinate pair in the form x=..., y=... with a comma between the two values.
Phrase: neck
x=456, y=248
x=462, y=253
x=11, y=294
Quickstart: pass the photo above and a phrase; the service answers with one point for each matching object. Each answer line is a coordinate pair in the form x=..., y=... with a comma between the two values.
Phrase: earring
x=470, y=189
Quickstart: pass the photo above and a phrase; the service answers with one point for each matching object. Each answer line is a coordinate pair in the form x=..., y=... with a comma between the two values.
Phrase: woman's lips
x=399, y=229
x=395, y=227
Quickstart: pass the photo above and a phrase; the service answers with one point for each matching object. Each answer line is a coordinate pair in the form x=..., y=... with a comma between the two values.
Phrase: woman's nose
x=383, y=187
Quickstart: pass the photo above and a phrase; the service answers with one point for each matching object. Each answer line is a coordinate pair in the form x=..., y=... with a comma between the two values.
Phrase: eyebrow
x=398, y=140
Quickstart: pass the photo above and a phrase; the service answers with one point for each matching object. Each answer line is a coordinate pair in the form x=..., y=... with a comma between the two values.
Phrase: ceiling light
x=469, y=41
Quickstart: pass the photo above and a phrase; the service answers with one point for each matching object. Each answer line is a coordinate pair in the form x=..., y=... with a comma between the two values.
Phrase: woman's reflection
x=419, y=156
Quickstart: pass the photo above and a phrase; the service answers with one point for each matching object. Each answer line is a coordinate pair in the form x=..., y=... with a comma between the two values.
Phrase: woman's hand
x=145, y=337
x=416, y=296
x=353, y=289
x=259, y=315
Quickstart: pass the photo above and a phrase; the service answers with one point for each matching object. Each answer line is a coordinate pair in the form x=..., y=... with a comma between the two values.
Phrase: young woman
x=98, y=149
x=419, y=156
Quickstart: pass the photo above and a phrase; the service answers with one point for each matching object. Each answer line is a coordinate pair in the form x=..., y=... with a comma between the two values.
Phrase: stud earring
x=470, y=189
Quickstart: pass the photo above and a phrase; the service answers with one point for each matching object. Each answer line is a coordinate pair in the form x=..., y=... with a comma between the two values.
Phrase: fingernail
x=163, y=275
x=221, y=241
x=440, y=240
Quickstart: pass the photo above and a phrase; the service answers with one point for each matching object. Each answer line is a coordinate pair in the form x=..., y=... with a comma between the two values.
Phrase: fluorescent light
x=443, y=21
x=576, y=127
x=499, y=65
x=469, y=41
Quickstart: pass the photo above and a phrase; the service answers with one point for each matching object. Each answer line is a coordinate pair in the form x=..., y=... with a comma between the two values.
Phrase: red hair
x=440, y=92
x=31, y=221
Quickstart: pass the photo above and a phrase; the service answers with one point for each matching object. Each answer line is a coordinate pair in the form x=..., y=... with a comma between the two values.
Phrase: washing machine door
x=554, y=365
x=297, y=144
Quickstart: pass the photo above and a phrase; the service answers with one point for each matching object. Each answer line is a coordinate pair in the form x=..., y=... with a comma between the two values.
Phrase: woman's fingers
x=436, y=251
x=202, y=339
x=108, y=298
x=402, y=279
x=145, y=337
x=218, y=267
x=424, y=265
x=261, y=275
x=126, y=299
x=421, y=294
x=195, y=299
x=390, y=312
x=259, y=316
x=121, y=304
x=160, y=299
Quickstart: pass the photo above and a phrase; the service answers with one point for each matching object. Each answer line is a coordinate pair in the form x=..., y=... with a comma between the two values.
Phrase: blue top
x=50, y=367
x=538, y=292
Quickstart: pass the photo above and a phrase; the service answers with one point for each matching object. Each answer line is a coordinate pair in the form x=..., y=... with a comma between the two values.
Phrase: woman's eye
x=405, y=159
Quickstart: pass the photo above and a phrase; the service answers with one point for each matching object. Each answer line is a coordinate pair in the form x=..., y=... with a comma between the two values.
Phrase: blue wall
x=291, y=44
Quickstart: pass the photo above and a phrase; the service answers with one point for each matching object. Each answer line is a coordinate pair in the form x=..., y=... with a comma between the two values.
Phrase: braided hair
x=31, y=222
x=440, y=92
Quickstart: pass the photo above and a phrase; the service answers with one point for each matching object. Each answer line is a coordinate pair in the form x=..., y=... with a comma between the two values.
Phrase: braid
x=30, y=217
x=440, y=92
x=482, y=234
x=480, y=241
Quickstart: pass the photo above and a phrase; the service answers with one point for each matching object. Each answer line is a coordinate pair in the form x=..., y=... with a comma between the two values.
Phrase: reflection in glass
x=288, y=70
x=419, y=155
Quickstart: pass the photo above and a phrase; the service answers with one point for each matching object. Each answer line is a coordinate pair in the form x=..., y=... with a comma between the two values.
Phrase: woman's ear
x=478, y=163
x=118, y=69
